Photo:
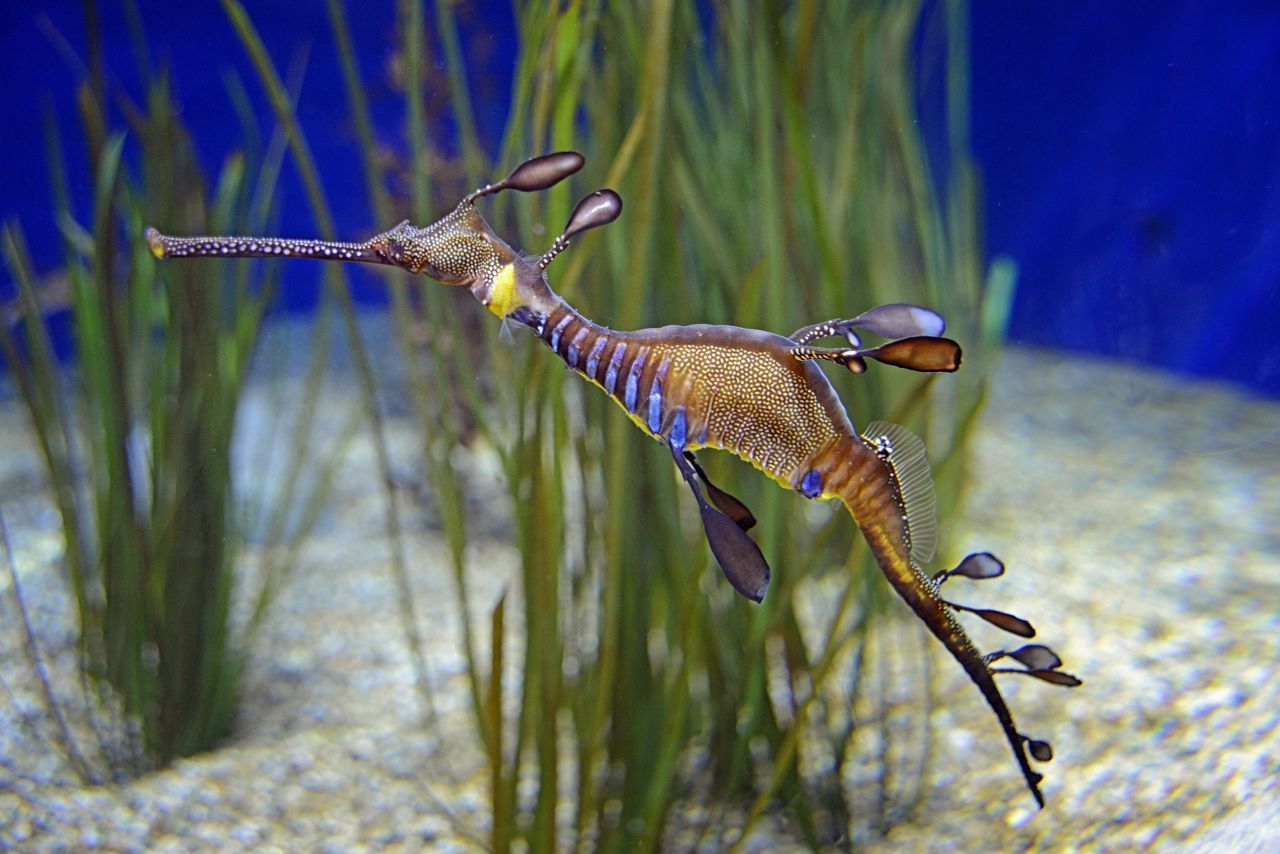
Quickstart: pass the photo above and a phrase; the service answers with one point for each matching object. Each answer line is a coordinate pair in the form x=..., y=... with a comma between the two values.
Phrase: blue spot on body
x=555, y=333
x=615, y=361
x=572, y=356
x=655, y=408
x=633, y=382
x=593, y=360
x=679, y=429
x=811, y=486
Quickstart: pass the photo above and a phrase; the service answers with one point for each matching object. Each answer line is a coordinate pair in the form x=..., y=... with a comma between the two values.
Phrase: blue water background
x=1129, y=152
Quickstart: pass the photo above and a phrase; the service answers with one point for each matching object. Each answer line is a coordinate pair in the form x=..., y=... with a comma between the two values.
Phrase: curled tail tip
x=1037, y=661
x=155, y=242
x=1034, y=779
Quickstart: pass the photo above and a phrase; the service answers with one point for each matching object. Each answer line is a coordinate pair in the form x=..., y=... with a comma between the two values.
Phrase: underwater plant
x=136, y=433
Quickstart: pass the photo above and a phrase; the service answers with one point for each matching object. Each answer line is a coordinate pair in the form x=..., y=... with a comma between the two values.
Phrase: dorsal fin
x=910, y=466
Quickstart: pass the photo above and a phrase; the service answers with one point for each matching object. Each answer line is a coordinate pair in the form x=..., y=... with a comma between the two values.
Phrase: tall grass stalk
x=136, y=437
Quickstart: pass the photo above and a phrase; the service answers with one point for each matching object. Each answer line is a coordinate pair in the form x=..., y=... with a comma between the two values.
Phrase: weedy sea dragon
x=758, y=395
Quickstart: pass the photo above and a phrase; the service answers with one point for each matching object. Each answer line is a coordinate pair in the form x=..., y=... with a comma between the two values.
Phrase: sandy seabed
x=1136, y=513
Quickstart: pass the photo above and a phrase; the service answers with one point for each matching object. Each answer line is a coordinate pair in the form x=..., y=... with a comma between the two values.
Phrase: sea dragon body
x=758, y=395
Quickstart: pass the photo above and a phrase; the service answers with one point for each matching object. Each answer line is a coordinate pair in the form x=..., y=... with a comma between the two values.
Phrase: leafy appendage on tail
x=882, y=504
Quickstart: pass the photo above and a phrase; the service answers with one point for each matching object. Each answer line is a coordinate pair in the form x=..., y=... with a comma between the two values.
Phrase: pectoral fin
x=739, y=557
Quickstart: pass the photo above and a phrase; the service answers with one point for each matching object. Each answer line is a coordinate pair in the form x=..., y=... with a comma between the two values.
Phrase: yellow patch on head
x=155, y=243
x=502, y=294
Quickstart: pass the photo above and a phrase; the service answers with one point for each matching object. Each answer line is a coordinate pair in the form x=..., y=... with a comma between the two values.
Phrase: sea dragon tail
x=918, y=592
x=871, y=495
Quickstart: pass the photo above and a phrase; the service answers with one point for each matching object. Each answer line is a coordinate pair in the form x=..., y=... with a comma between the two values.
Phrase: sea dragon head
x=459, y=249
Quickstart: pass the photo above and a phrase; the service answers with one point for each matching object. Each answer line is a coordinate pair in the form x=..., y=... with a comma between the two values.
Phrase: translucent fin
x=915, y=483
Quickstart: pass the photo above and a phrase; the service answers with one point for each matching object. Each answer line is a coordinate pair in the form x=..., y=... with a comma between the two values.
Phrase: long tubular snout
x=164, y=246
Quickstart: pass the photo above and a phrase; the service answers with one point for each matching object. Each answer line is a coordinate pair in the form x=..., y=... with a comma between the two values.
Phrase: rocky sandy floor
x=1137, y=516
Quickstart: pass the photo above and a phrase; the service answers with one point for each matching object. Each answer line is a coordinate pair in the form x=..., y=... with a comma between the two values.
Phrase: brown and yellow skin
x=755, y=394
